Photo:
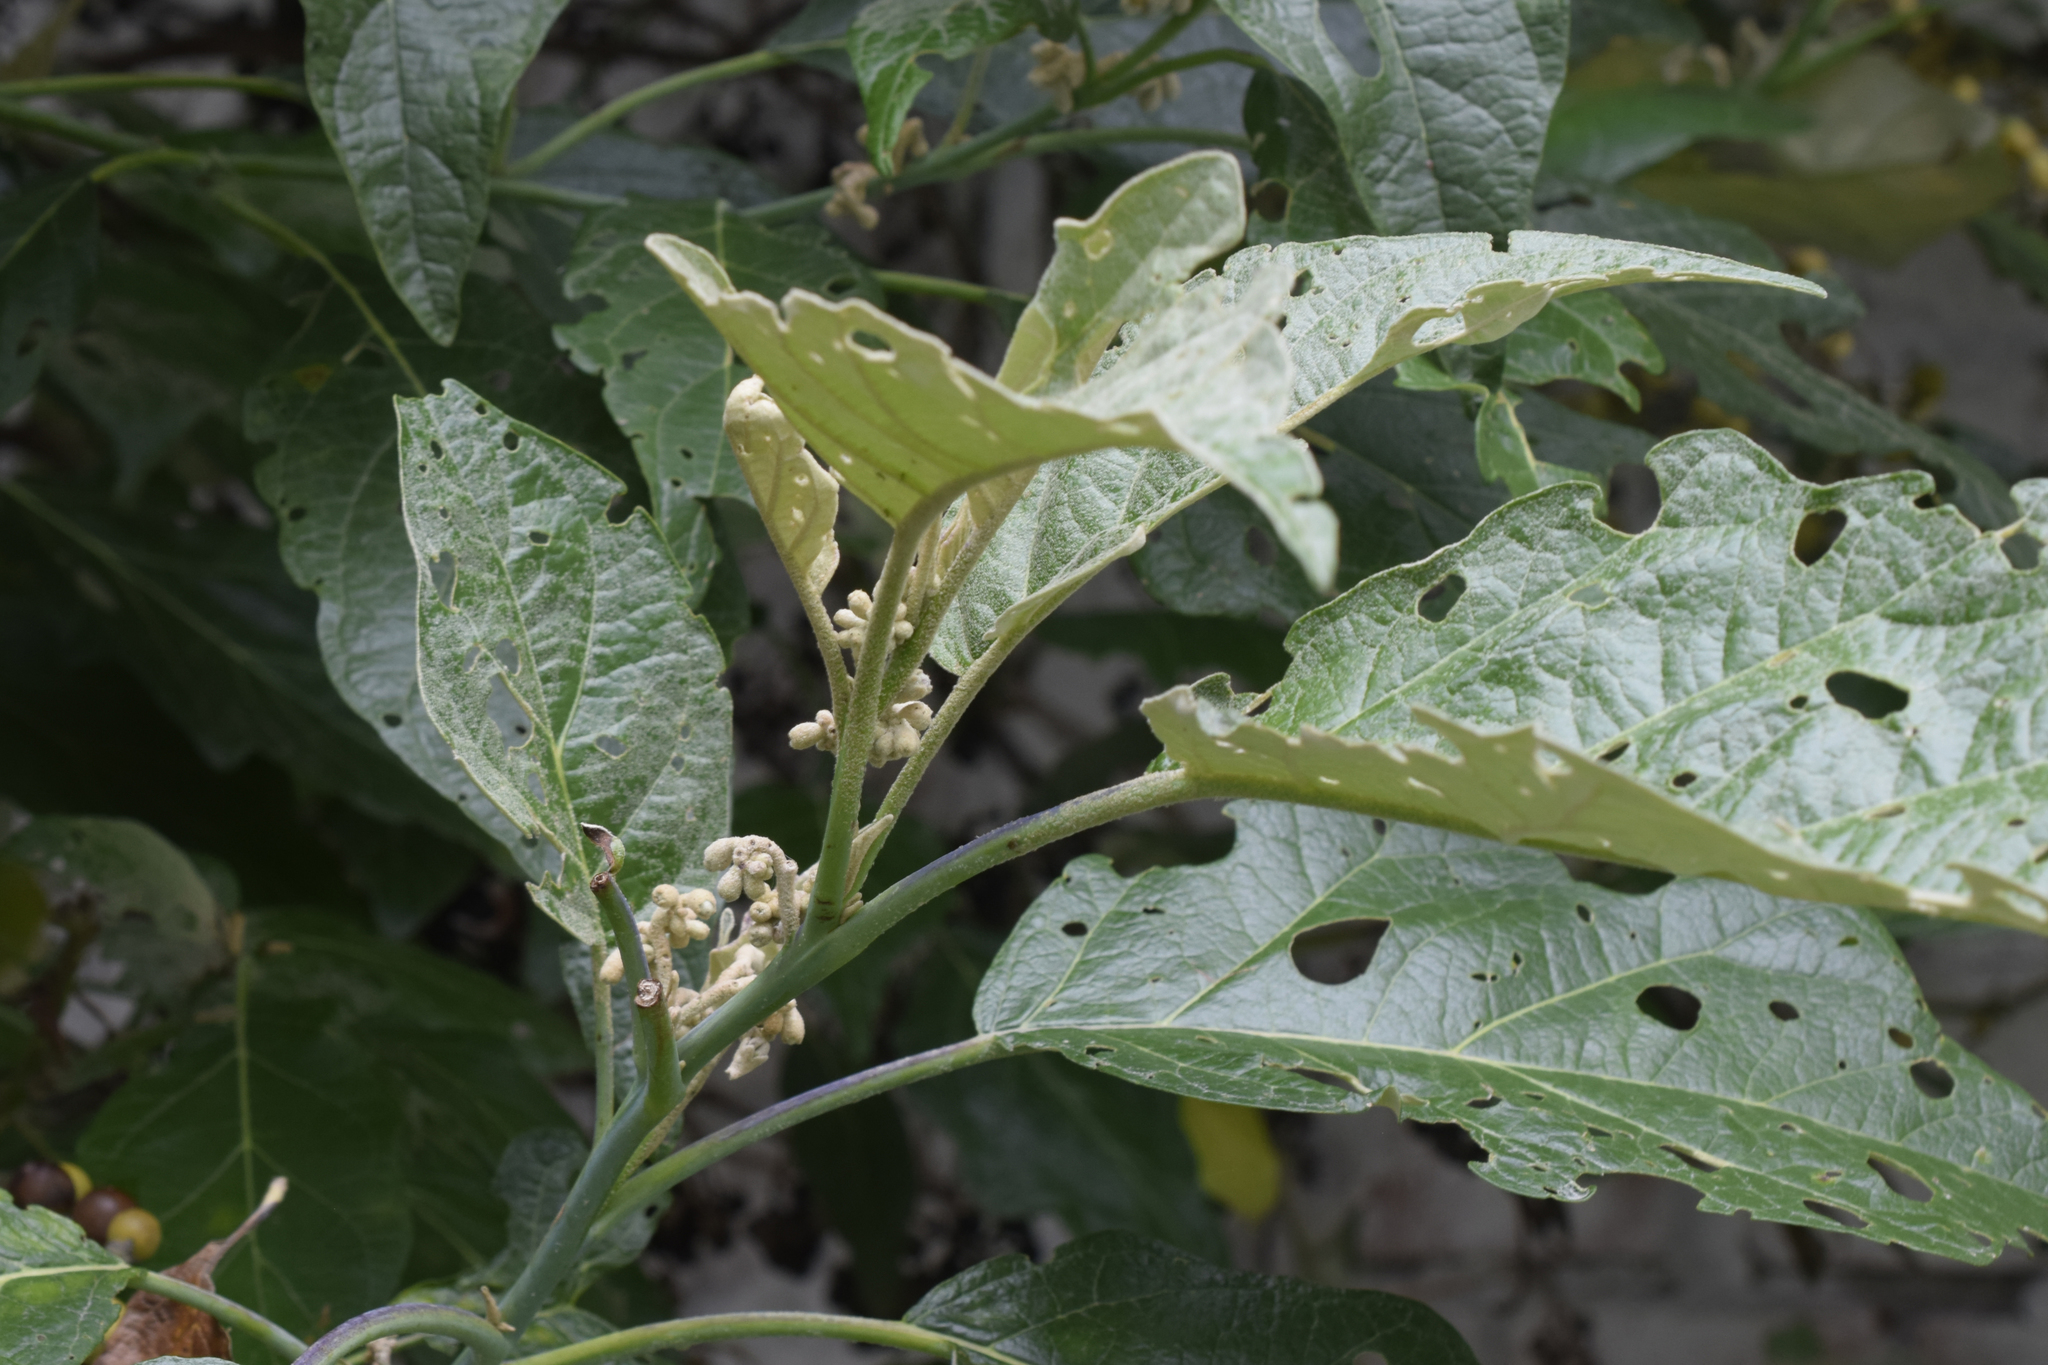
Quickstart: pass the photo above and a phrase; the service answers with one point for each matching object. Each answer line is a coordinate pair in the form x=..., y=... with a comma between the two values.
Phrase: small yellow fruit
x=139, y=1228
x=80, y=1181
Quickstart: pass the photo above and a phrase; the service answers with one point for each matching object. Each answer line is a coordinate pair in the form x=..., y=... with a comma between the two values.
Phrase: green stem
x=601, y=1002
x=1161, y=36
x=1788, y=75
x=1080, y=139
x=152, y=80
x=731, y=1326
x=428, y=1319
x=625, y=104
x=1124, y=78
x=244, y=973
x=956, y=131
x=901, y=282
x=223, y=1310
x=1812, y=21
x=673, y=1170
x=534, y=192
x=69, y=129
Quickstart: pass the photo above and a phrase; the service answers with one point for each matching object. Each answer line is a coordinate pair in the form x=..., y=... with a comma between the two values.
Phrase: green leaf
x=1448, y=132
x=1847, y=730
x=1114, y=1296
x=333, y=483
x=49, y=245
x=197, y=1139
x=1609, y=135
x=157, y=916
x=413, y=95
x=1587, y=337
x=887, y=37
x=1773, y=1054
x=1369, y=303
x=2014, y=250
x=558, y=653
x=904, y=425
x=1295, y=146
x=666, y=369
x=1734, y=342
x=56, y=1288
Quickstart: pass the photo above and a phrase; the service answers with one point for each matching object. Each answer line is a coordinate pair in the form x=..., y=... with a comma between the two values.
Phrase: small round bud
x=718, y=856
x=99, y=1208
x=665, y=896
x=614, y=968
x=138, y=1228
x=43, y=1183
x=792, y=1025
x=729, y=885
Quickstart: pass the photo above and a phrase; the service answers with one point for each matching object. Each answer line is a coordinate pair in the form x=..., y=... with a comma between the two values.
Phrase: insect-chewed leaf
x=888, y=36
x=1365, y=304
x=558, y=653
x=1447, y=133
x=1773, y=1054
x=797, y=499
x=1843, y=722
x=903, y=424
x=56, y=1288
x=1116, y=1296
x=412, y=95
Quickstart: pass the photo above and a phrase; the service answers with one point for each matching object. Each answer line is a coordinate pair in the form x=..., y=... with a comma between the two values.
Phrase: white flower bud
x=729, y=884
x=614, y=968
x=792, y=1025
x=718, y=857
x=751, y=1052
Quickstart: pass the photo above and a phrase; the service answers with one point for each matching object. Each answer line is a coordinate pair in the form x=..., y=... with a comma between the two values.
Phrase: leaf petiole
x=731, y=1326
x=98, y=82
x=223, y=1310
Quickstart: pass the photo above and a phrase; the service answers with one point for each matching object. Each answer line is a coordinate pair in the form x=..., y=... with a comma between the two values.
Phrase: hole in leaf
x=1817, y=534
x=2022, y=551
x=1098, y=1049
x=434, y=448
x=1927, y=502
x=1259, y=547
x=1329, y=1078
x=1871, y=698
x=872, y=346
x=441, y=568
x=1670, y=1006
x=687, y=454
x=839, y=285
x=1333, y=954
x=1629, y=881
x=1584, y=912
x=1153, y=910
x=482, y=409
x=1302, y=284
x=611, y=746
x=1848, y=941
x=391, y=721
x=515, y=726
x=1483, y=1102
x=1902, y=1181
x=1684, y=779
x=1073, y=928
x=1436, y=603
x=1692, y=1158
x=1616, y=752
x=507, y=655
x=1785, y=1010
x=296, y=514
x=1798, y=703
x=1379, y=827
x=1900, y=1037
x=511, y=440
x=1488, y=977
x=1268, y=199
x=1592, y=595
x=539, y=537
x=630, y=359
x=1934, y=1080
x=1842, y=1216
x=620, y=507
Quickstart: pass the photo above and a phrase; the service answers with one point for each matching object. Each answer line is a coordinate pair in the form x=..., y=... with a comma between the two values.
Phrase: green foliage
x=49, y=242
x=1832, y=745
x=1117, y=1295
x=1774, y=1055
x=558, y=652
x=413, y=96
x=888, y=36
x=1447, y=133
x=56, y=1288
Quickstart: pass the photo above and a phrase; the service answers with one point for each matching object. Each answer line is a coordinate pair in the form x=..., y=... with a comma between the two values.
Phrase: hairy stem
x=1080, y=139
x=223, y=1310
x=625, y=104
x=673, y=1170
x=485, y=1341
x=601, y=1002
x=152, y=80
x=730, y=1326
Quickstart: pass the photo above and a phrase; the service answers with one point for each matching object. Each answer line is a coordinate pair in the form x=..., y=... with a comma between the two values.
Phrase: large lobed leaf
x=56, y=1288
x=903, y=424
x=413, y=95
x=1448, y=131
x=558, y=653
x=1855, y=729
x=1773, y=1054
x=1115, y=1296
x=887, y=37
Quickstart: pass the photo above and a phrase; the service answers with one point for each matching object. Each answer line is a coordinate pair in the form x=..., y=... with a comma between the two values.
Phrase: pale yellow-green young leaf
x=797, y=499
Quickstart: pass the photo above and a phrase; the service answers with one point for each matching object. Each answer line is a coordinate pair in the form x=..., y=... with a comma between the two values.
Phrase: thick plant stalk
x=731, y=1326
x=486, y=1343
x=222, y=1310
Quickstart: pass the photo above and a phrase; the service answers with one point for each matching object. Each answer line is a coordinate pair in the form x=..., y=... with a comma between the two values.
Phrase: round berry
x=44, y=1183
x=101, y=1207
x=81, y=1183
x=138, y=1228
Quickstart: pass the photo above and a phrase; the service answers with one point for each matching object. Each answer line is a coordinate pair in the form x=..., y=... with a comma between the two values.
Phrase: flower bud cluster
x=678, y=919
x=821, y=734
x=853, y=623
x=901, y=726
x=1058, y=70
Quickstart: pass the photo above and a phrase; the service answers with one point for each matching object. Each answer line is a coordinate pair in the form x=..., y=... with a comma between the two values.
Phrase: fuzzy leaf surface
x=412, y=95
x=1773, y=1054
x=1854, y=730
x=1117, y=1296
x=666, y=369
x=1448, y=132
x=887, y=38
x=558, y=652
x=57, y=1288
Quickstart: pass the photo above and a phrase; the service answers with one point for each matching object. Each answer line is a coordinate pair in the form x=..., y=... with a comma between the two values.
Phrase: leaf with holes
x=906, y=426
x=1773, y=1054
x=887, y=38
x=1734, y=342
x=56, y=1288
x=1448, y=131
x=1844, y=722
x=413, y=96
x=1116, y=1296
x=666, y=369
x=1587, y=337
x=333, y=483
x=558, y=652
